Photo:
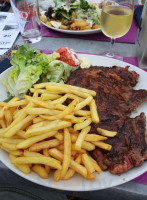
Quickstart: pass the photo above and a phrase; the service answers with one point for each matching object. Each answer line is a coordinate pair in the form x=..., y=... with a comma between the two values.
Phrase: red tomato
x=68, y=56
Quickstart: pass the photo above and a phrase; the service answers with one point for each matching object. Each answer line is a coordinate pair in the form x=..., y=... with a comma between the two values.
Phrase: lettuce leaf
x=58, y=72
x=30, y=66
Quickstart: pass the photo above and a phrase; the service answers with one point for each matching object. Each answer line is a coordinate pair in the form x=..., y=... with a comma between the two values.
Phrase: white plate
x=85, y=32
x=105, y=179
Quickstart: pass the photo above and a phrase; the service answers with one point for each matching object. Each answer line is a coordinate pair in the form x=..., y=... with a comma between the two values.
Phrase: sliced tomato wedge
x=68, y=56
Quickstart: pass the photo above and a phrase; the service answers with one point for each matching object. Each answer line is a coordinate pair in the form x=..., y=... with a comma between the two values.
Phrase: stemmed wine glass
x=116, y=19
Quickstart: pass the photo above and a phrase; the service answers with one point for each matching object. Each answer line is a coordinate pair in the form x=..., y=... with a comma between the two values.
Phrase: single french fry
x=8, y=117
x=35, y=93
x=24, y=168
x=57, y=175
x=40, y=91
x=17, y=103
x=70, y=171
x=95, y=165
x=74, y=119
x=41, y=111
x=53, y=126
x=30, y=141
x=106, y=132
x=94, y=113
x=103, y=145
x=44, y=145
x=59, y=136
x=91, y=176
x=38, y=160
x=37, y=120
x=39, y=102
x=15, y=153
x=81, y=137
x=47, y=96
x=83, y=113
x=46, y=153
x=21, y=134
x=66, y=90
x=2, y=132
x=10, y=147
x=83, y=103
x=87, y=163
x=65, y=86
x=61, y=100
x=94, y=138
x=67, y=152
x=13, y=100
x=82, y=125
x=88, y=146
x=19, y=126
x=40, y=170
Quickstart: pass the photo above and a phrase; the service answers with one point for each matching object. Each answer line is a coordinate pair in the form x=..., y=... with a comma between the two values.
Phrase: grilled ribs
x=116, y=99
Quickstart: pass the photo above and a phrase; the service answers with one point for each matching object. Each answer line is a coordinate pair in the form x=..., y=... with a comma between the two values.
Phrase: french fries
x=45, y=131
x=106, y=132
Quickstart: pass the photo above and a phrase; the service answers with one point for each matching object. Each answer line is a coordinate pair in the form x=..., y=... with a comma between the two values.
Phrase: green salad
x=64, y=15
x=31, y=66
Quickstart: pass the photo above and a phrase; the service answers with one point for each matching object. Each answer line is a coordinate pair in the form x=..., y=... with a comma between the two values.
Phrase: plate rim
x=15, y=170
x=73, y=32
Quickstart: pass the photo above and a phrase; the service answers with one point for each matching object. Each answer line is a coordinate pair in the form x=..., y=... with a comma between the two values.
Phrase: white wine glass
x=116, y=20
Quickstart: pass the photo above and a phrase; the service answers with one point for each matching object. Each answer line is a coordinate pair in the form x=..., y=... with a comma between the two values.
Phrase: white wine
x=116, y=20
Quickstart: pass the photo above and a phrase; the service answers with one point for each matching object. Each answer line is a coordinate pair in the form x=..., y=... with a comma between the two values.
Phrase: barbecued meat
x=129, y=147
x=116, y=99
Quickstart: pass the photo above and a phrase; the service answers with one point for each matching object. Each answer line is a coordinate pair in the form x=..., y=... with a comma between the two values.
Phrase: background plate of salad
x=72, y=16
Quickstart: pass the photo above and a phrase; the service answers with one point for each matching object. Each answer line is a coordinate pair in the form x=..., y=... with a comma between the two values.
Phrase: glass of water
x=27, y=16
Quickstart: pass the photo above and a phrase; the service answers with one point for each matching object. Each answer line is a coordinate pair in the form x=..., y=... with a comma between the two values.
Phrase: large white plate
x=105, y=179
x=85, y=32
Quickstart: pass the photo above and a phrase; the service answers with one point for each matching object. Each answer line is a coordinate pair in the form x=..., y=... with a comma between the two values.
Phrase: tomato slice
x=68, y=56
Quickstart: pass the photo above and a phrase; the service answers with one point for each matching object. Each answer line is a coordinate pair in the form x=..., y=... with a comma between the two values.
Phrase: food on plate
x=116, y=99
x=40, y=134
x=78, y=15
x=113, y=86
x=68, y=56
x=106, y=132
x=90, y=113
x=129, y=148
x=31, y=66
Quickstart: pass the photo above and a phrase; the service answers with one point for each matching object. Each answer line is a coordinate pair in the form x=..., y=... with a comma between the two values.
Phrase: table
x=126, y=191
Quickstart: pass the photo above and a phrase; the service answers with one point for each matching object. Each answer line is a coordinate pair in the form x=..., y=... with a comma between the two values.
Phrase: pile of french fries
x=48, y=130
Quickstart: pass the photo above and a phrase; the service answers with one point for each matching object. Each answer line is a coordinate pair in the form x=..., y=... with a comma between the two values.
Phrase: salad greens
x=31, y=66
x=77, y=9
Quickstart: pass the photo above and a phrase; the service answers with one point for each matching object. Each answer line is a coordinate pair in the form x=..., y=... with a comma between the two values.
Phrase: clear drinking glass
x=27, y=16
x=116, y=19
